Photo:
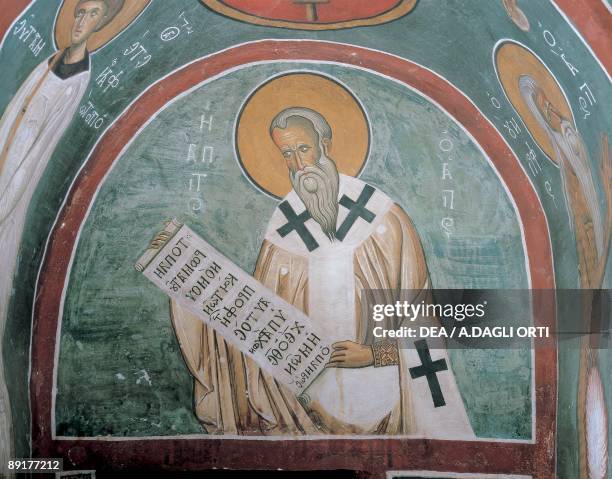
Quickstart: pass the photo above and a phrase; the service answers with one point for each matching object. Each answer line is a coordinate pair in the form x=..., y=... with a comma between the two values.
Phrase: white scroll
x=277, y=336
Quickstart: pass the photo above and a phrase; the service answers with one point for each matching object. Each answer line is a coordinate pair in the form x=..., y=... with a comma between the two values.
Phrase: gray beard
x=571, y=145
x=317, y=186
x=570, y=151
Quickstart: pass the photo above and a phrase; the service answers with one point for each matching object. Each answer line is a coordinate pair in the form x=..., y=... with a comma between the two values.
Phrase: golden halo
x=259, y=157
x=65, y=18
x=512, y=61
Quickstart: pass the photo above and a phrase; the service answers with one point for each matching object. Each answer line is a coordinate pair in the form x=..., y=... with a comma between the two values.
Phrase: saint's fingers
x=341, y=345
x=335, y=362
x=334, y=365
x=337, y=355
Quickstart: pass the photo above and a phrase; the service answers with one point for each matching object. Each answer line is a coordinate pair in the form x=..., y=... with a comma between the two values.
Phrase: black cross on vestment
x=356, y=209
x=429, y=369
x=297, y=223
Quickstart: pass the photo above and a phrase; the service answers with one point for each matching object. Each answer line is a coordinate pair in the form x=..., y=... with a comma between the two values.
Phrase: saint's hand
x=348, y=354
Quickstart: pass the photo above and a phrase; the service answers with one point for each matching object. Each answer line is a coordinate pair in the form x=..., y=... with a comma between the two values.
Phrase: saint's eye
x=304, y=148
x=287, y=153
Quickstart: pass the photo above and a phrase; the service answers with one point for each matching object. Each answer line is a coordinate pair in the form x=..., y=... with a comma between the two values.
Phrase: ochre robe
x=383, y=256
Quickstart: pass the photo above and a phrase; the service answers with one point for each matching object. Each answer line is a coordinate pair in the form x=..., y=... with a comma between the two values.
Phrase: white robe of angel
x=46, y=118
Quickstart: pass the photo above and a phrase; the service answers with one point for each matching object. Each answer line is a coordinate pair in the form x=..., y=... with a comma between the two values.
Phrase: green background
x=116, y=322
x=453, y=38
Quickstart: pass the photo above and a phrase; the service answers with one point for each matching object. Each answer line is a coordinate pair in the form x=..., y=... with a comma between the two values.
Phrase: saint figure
x=332, y=240
x=592, y=232
x=591, y=229
x=30, y=128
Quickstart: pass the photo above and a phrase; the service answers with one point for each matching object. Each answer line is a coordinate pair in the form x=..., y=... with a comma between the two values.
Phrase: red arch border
x=590, y=17
x=375, y=456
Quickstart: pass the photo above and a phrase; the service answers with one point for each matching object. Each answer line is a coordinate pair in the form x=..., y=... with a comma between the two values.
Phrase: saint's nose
x=298, y=161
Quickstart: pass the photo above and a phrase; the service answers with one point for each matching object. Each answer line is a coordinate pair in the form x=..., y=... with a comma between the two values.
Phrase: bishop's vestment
x=376, y=251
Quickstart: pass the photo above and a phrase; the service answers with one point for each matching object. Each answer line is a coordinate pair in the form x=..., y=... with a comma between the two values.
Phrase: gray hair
x=569, y=144
x=528, y=88
x=319, y=123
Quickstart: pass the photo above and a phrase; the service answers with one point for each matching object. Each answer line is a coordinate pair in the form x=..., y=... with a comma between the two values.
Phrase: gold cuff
x=385, y=353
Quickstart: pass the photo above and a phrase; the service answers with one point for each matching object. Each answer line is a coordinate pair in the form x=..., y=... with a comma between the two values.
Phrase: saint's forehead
x=91, y=5
x=293, y=134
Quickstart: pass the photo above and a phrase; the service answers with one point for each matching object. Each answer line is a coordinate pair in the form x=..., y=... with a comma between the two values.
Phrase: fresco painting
x=313, y=14
x=341, y=155
x=37, y=117
x=261, y=209
x=554, y=130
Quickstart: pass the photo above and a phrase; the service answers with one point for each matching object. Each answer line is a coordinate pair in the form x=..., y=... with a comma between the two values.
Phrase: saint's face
x=298, y=143
x=548, y=111
x=88, y=17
